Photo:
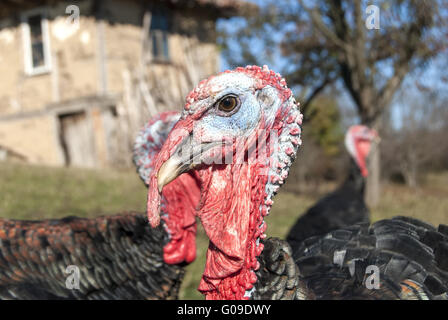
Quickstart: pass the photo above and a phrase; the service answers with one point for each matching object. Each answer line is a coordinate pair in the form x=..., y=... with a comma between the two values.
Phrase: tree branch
x=324, y=30
x=314, y=93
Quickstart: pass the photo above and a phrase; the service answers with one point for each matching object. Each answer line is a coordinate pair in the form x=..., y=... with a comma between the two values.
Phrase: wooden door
x=77, y=140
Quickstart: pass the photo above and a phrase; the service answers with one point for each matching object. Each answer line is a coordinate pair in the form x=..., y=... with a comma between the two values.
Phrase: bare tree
x=328, y=42
x=419, y=142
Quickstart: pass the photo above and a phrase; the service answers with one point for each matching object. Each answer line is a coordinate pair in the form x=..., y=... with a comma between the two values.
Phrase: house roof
x=226, y=7
x=221, y=8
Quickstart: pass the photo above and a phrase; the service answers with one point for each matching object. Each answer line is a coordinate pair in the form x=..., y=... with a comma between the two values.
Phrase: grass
x=32, y=192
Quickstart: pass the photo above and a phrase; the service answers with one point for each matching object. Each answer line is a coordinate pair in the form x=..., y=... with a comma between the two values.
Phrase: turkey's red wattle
x=358, y=142
x=233, y=228
x=362, y=151
x=183, y=195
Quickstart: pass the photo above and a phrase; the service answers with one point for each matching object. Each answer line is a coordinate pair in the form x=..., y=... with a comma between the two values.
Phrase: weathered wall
x=123, y=40
x=74, y=60
x=34, y=138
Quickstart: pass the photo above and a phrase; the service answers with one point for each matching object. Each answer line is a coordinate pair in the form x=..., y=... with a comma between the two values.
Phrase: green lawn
x=32, y=192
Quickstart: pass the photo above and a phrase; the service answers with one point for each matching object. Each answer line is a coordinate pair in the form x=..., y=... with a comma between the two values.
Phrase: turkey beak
x=188, y=155
x=170, y=170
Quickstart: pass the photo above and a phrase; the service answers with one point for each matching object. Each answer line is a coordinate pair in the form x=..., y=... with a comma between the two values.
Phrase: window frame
x=161, y=36
x=30, y=70
x=161, y=45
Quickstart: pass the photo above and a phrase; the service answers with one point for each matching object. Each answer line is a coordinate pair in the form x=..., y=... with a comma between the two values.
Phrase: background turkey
x=346, y=205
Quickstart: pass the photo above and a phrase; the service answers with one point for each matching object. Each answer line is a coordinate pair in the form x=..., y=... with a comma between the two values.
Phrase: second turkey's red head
x=358, y=141
x=238, y=135
x=179, y=199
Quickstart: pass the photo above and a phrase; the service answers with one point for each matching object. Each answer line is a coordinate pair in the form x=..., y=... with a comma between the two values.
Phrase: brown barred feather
x=119, y=257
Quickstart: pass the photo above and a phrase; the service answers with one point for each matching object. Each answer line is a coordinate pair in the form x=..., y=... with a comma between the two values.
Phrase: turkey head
x=358, y=141
x=238, y=135
x=179, y=199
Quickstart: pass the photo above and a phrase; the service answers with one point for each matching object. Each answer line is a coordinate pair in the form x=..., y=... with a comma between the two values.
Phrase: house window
x=36, y=42
x=159, y=34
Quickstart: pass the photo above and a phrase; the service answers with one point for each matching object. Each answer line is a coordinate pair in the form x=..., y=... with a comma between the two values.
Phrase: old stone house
x=79, y=78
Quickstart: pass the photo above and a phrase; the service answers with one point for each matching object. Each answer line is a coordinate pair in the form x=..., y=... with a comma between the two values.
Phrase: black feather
x=342, y=208
x=410, y=255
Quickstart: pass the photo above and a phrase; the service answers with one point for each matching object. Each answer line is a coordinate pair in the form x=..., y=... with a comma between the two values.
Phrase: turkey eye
x=228, y=103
